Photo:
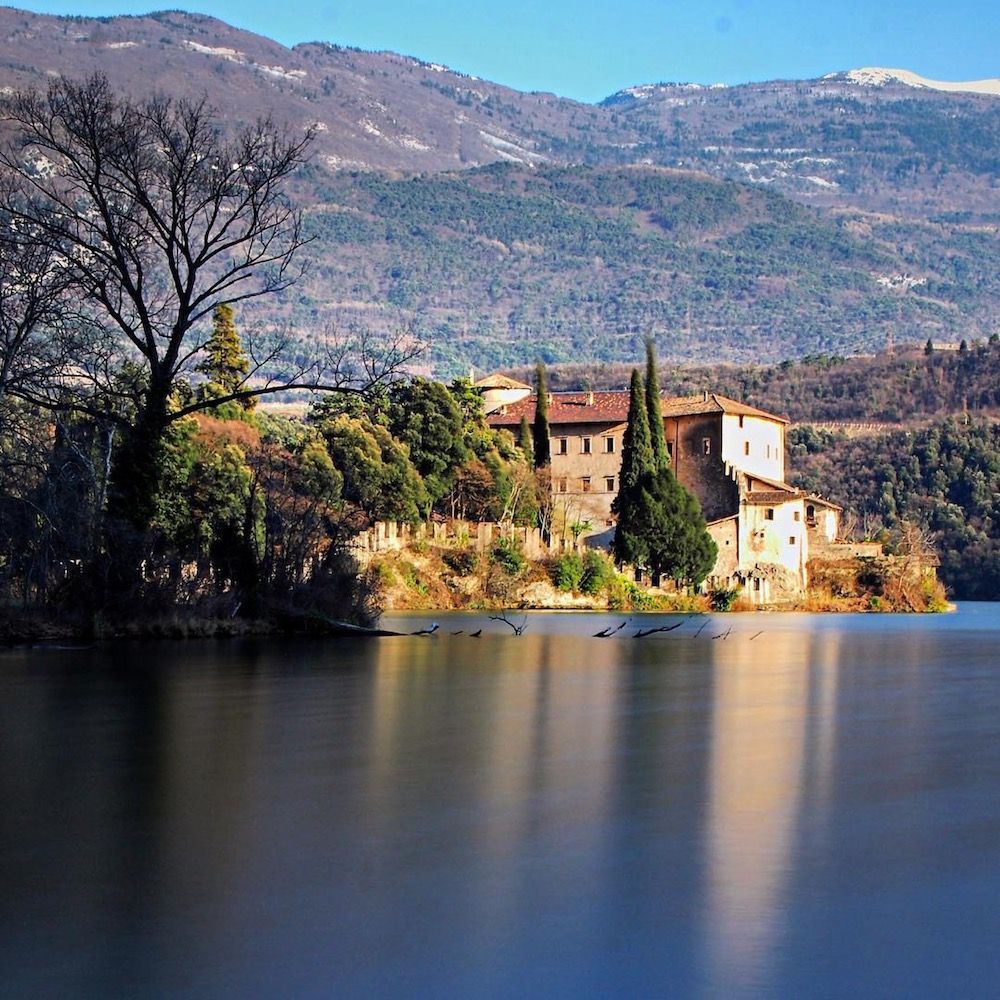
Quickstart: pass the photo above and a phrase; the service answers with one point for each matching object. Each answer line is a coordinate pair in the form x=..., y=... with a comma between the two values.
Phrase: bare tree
x=33, y=309
x=157, y=216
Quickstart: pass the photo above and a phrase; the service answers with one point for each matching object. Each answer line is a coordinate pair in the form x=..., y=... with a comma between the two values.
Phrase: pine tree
x=226, y=366
x=540, y=430
x=654, y=411
x=526, y=442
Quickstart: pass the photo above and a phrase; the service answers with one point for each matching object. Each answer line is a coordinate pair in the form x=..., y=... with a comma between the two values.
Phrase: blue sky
x=587, y=50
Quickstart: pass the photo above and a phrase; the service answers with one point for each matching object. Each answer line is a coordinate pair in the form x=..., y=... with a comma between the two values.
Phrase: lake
x=755, y=805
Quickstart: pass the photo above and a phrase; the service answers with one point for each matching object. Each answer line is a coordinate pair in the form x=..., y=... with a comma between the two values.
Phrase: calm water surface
x=808, y=807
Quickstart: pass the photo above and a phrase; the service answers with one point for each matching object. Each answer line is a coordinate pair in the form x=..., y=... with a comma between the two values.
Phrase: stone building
x=731, y=456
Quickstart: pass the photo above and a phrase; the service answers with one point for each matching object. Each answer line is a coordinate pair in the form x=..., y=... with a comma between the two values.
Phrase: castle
x=731, y=456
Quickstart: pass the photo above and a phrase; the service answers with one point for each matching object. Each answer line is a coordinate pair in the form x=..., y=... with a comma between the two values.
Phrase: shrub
x=567, y=571
x=461, y=561
x=506, y=553
x=598, y=573
x=412, y=579
x=723, y=599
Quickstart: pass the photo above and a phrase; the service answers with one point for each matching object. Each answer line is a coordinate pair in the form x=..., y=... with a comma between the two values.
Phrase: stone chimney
x=705, y=396
x=590, y=399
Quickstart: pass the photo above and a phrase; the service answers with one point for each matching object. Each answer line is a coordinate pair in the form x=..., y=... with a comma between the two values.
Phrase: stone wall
x=394, y=536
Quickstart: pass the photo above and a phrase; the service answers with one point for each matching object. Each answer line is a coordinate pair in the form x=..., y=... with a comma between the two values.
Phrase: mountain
x=749, y=222
x=876, y=77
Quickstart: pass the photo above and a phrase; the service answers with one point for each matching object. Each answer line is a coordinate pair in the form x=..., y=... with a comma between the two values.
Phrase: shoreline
x=40, y=631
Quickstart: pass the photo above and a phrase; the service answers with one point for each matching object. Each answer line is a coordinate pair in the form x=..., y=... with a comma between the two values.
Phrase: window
x=585, y=484
x=670, y=449
x=561, y=485
x=746, y=447
x=796, y=516
x=768, y=451
x=609, y=446
x=768, y=513
x=706, y=446
x=756, y=583
x=563, y=446
x=609, y=484
x=585, y=446
x=741, y=425
x=791, y=539
x=811, y=515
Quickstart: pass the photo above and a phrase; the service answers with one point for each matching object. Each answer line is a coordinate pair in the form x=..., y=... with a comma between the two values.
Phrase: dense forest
x=253, y=511
x=912, y=384
x=945, y=477
x=502, y=266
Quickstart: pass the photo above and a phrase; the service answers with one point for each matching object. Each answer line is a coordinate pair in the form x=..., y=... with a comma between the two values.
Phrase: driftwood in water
x=642, y=633
x=609, y=631
x=518, y=629
x=427, y=631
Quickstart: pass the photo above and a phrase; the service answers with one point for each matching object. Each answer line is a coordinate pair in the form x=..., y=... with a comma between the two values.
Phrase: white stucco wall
x=763, y=438
x=782, y=540
x=494, y=399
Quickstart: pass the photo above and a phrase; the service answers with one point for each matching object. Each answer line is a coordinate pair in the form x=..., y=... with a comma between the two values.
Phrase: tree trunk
x=132, y=494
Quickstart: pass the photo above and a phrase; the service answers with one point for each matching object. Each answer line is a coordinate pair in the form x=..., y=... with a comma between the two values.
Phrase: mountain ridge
x=743, y=221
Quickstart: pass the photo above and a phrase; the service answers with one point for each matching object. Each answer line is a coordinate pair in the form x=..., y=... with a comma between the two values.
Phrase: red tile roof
x=612, y=407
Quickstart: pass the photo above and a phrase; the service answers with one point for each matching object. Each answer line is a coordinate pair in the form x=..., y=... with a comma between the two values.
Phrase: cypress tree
x=677, y=544
x=526, y=442
x=637, y=464
x=654, y=411
x=637, y=448
x=540, y=430
x=660, y=524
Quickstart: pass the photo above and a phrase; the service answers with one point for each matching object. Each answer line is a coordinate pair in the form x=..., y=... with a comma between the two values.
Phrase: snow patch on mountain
x=874, y=76
x=232, y=55
x=644, y=91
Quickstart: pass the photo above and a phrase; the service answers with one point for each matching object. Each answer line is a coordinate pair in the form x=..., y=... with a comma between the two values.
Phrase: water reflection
x=549, y=814
x=761, y=709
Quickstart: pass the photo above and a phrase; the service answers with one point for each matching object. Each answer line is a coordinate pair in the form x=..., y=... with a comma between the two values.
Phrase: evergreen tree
x=526, y=441
x=677, y=544
x=654, y=411
x=929, y=347
x=637, y=464
x=540, y=430
x=637, y=448
x=660, y=525
x=425, y=416
x=226, y=366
